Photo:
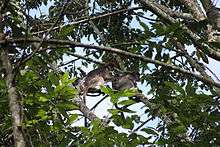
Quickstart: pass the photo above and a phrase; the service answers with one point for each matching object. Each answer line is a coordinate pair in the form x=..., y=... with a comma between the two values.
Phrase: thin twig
x=85, y=58
x=78, y=58
x=98, y=102
x=145, y=17
x=135, y=130
x=89, y=18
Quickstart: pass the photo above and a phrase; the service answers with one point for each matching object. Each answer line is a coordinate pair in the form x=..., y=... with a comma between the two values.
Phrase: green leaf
x=127, y=102
x=96, y=126
x=66, y=30
x=65, y=80
x=150, y=131
x=114, y=96
x=42, y=114
x=145, y=27
x=107, y=90
x=128, y=111
x=72, y=118
x=65, y=90
x=53, y=78
x=118, y=120
x=180, y=129
x=43, y=99
x=128, y=124
x=176, y=87
x=129, y=92
x=114, y=111
x=67, y=106
x=190, y=89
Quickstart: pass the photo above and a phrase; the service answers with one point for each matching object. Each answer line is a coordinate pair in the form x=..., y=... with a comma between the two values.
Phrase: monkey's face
x=125, y=82
x=96, y=81
x=107, y=74
x=134, y=76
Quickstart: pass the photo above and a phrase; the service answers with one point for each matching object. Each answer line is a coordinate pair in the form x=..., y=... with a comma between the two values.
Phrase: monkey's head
x=106, y=73
x=126, y=81
x=134, y=76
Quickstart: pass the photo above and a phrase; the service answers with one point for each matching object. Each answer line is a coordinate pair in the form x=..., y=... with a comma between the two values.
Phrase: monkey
x=126, y=81
x=94, y=78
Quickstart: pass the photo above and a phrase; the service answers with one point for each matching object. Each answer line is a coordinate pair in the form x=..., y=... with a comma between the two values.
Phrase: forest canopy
x=109, y=73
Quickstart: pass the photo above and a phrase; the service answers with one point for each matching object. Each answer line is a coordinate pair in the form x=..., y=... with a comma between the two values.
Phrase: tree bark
x=14, y=104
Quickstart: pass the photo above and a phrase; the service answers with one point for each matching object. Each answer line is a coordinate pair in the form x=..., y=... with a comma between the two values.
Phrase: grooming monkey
x=126, y=81
x=95, y=78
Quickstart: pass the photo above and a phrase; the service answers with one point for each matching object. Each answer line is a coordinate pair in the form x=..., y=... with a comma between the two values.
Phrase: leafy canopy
x=51, y=45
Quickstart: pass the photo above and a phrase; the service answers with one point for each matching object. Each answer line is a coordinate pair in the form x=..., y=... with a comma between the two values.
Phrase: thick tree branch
x=14, y=104
x=115, y=50
x=87, y=112
x=206, y=4
x=195, y=8
x=175, y=14
x=155, y=8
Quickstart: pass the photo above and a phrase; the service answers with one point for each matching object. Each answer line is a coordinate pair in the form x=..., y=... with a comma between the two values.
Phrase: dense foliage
x=48, y=46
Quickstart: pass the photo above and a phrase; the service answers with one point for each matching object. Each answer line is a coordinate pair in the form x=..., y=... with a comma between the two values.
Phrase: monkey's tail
x=84, y=101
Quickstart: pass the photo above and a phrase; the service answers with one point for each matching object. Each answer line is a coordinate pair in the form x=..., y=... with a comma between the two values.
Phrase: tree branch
x=14, y=104
x=89, y=18
x=195, y=8
x=145, y=122
x=192, y=61
x=165, y=14
x=175, y=14
x=87, y=112
x=118, y=51
x=85, y=58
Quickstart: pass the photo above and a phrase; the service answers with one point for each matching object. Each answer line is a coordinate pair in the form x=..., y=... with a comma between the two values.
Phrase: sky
x=101, y=110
